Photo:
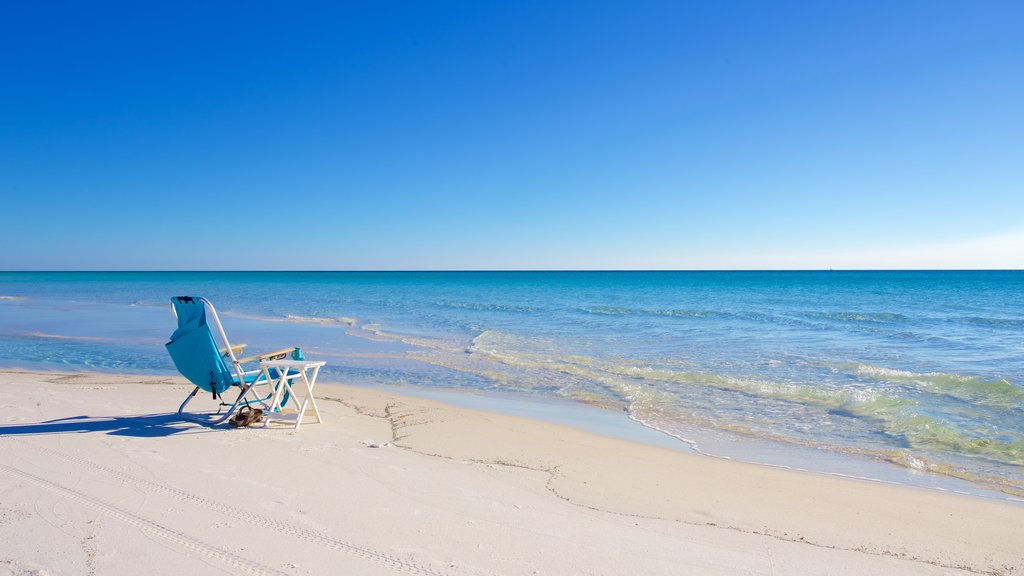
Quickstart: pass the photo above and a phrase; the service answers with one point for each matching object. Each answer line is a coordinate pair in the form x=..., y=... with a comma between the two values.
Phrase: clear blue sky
x=383, y=135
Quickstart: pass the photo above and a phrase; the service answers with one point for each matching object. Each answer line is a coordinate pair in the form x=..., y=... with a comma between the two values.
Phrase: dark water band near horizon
x=911, y=377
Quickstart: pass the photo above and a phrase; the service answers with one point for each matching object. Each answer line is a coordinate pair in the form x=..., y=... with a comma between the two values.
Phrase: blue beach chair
x=194, y=350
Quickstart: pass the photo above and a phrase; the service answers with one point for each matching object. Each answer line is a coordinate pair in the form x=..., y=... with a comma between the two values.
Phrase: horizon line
x=517, y=270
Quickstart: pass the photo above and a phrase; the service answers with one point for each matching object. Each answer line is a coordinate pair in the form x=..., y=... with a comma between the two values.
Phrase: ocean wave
x=489, y=307
x=993, y=322
x=681, y=313
x=424, y=342
x=859, y=402
x=363, y=355
x=621, y=378
x=64, y=337
x=998, y=392
x=907, y=459
x=886, y=317
x=344, y=320
x=698, y=315
x=295, y=318
x=609, y=310
x=895, y=416
x=148, y=304
x=913, y=459
x=497, y=343
x=12, y=298
x=670, y=312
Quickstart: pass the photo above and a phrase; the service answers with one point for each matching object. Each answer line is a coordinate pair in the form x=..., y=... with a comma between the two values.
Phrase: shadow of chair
x=142, y=426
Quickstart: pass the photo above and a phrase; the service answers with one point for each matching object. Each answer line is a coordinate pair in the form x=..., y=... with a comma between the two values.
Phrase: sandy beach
x=587, y=288
x=99, y=477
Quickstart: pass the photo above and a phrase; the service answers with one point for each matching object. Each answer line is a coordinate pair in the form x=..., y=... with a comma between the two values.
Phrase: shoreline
x=610, y=423
x=505, y=492
x=887, y=439
x=607, y=422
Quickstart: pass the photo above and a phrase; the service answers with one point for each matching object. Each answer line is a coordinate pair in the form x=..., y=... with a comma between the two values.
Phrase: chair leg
x=188, y=399
x=210, y=419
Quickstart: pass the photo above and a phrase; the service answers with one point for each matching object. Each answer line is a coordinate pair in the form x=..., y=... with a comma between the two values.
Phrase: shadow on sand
x=145, y=426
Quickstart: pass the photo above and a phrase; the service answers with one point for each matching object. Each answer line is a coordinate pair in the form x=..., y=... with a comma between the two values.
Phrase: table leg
x=310, y=384
x=275, y=404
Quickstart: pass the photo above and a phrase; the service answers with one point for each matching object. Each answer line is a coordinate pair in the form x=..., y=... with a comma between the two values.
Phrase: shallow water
x=921, y=370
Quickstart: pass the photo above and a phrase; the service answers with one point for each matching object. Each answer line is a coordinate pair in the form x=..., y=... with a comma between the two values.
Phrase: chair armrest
x=275, y=355
x=236, y=349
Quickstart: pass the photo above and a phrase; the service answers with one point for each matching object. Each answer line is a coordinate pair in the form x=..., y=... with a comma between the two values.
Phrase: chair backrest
x=193, y=348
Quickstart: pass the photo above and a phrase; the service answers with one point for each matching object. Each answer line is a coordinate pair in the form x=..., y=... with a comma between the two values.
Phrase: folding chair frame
x=257, y=377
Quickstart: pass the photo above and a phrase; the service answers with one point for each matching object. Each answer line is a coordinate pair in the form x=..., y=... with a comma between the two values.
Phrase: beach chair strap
x=213, y=385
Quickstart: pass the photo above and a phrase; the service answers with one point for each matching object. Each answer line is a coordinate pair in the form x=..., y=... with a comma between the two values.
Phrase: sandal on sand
x=246, y=416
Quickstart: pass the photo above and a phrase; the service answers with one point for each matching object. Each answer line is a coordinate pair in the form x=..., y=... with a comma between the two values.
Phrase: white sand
x=121, y=487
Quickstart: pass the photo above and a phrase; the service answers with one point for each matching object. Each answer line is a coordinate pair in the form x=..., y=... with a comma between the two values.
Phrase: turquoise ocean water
x=919, y=373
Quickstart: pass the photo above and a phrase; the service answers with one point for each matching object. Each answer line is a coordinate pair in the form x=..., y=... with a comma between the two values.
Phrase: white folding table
x=288, y=372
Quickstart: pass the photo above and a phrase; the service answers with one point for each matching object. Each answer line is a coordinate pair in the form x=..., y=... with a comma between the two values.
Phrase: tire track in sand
x=149, y=526
x=260, y=520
